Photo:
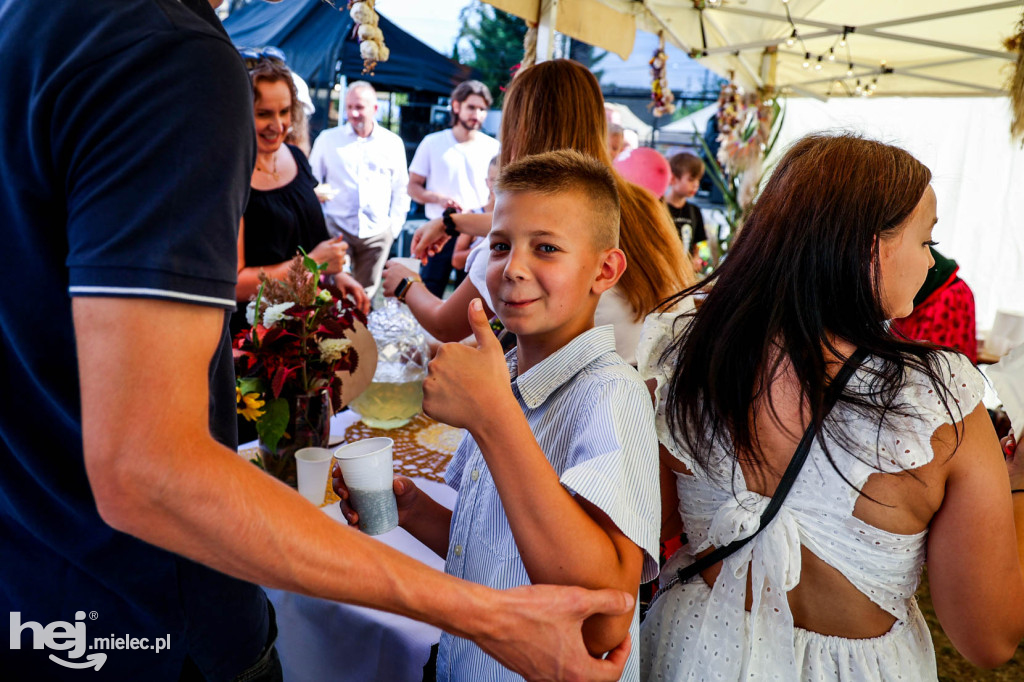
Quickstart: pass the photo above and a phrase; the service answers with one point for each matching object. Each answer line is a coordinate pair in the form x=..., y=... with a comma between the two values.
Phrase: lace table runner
x=422, y=449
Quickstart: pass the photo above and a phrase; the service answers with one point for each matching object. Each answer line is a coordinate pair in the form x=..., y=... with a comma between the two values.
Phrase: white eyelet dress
x=695, y=632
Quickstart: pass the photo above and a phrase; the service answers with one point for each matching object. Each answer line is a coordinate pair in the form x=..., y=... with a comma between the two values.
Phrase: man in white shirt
x=449, y=169
x=365, y=164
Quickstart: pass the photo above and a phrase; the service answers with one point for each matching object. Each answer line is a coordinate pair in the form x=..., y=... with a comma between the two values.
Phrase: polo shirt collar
x=547, y=376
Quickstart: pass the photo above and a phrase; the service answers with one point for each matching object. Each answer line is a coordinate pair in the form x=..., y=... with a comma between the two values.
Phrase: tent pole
x=744, y=64
x=976, y=9
x=770, y=42
x=547, y=17
x=868, y=31
x=769, y=65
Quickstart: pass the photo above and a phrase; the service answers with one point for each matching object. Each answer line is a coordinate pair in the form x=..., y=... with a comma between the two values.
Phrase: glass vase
x=309, y=425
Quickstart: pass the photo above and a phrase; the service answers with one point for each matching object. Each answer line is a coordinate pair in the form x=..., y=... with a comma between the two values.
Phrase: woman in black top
x=283, y=212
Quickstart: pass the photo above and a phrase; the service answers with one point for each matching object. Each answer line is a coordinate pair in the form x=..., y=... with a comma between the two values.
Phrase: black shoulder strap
x=788, y=477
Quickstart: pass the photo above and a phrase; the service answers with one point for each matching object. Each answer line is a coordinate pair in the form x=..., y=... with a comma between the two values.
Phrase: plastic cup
x=312, y=467
x=368, y=471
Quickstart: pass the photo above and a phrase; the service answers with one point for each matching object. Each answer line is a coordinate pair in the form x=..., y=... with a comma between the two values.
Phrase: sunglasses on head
x=252, y=56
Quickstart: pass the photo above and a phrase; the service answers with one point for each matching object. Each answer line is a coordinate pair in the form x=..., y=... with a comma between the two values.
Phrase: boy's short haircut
x=686, y=163
x=569, y=171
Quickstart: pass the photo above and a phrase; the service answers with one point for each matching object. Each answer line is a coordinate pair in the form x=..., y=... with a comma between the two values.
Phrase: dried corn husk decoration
x=371, y=39
x=1016, y=44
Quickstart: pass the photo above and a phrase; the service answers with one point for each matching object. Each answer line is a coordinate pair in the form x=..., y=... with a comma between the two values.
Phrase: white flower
x=333, y=349
x=324, y=296
x=275, y=313
x=250, y=313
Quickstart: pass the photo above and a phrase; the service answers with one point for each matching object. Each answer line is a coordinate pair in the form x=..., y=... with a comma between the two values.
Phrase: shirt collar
x=548, y=375
x=352, y=133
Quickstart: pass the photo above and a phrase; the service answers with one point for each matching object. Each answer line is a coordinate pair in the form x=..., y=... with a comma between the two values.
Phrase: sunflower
x=249, y=405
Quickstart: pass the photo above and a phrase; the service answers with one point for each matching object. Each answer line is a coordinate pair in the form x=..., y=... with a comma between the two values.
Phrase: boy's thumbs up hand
x=485, y=339
x=463, y=383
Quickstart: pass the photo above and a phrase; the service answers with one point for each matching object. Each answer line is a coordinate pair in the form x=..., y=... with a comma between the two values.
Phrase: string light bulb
x=849, y=71
x=831, y=54
x=791, y=39
x=817, y=67
x=807, y=59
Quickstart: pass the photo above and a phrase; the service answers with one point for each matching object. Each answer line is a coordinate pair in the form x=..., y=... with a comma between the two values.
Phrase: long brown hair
x=558, y=105
x=801, y=274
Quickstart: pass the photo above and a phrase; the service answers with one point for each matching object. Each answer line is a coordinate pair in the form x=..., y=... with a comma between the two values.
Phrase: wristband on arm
x=449, y=222
x=402, y=290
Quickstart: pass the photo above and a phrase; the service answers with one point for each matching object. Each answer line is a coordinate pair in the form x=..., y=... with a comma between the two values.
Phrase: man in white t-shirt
x=365, y=164
x=449, y=169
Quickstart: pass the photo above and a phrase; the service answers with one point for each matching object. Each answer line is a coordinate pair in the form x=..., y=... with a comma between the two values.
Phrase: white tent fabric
x=911, y=47
x=978, y=177
x=631, y=121
x=696, y=120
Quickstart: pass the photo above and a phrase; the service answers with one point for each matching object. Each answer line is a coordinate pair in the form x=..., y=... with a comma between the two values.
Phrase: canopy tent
x=909, y=48
x=318, y=42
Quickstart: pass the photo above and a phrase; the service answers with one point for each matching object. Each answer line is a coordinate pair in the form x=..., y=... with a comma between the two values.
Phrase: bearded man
x=449, y=170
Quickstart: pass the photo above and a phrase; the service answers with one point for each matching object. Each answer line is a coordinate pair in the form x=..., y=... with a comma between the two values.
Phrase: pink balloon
x=645, y=167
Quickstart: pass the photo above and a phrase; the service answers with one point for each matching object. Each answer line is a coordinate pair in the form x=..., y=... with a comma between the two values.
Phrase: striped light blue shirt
x=591, y=414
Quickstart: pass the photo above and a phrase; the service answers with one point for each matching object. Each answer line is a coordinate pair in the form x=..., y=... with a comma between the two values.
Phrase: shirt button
x=458, y=550
x=475, y=474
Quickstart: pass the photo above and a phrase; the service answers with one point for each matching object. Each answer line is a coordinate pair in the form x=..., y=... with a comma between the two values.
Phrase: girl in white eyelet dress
x=694, y=631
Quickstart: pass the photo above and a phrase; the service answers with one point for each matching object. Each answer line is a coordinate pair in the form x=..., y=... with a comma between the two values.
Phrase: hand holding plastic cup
x=368, y=472
x=312, y=467
x=325, y=192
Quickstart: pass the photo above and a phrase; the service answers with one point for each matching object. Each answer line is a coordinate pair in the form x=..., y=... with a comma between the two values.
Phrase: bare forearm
x=156, y=472
x=558, y=541
x=422, y=195
x=217, y=509
x=249, y=279
x=444, y=319
x=475, y=224
x=430, y=523
x=1018, y=521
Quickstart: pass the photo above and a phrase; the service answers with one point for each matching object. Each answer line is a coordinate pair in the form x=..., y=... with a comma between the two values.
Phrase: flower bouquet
x=290, y=363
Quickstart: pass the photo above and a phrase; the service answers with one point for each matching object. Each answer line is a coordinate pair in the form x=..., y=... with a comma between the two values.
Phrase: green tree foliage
x=490, y=41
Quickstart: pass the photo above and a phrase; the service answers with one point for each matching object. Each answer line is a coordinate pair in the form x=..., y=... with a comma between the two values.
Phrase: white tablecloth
x=324, y=640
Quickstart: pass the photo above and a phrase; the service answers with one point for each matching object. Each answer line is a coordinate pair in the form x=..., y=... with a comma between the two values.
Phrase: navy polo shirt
x=126, y=147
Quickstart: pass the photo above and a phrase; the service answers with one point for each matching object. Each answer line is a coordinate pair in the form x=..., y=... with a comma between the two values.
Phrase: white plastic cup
x=313, y=466
x=368, y=471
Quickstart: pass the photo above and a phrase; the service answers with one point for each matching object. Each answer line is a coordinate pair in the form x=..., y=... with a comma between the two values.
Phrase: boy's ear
x=613, y=264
